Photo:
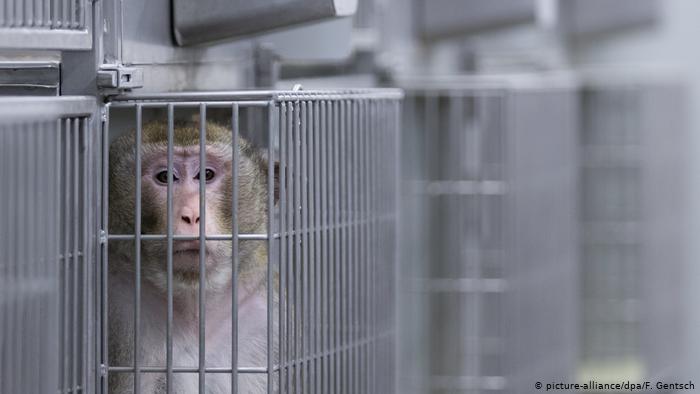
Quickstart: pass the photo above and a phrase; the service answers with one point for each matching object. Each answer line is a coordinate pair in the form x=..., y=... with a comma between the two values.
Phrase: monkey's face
x=187, y=215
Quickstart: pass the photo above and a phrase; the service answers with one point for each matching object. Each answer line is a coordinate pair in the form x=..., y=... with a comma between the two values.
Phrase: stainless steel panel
x=439, y=18
x=35, y=78
x=579, y=17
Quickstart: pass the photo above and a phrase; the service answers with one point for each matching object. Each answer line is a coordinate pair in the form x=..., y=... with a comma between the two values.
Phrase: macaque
x=251, y=292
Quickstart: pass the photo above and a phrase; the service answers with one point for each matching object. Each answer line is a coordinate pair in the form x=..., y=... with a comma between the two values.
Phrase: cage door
x=47, y=170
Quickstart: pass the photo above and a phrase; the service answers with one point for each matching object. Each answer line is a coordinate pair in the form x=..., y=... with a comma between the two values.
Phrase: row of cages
x=548, y=243
x=482, y=235
x=112, y=276
x=494, y=249
x=466, y=235
x=67, y=24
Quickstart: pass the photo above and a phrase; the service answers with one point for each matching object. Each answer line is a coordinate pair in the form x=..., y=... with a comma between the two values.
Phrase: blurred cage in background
x=488, y=245
x=331, y=236
x=48, y=164
x=632, y=143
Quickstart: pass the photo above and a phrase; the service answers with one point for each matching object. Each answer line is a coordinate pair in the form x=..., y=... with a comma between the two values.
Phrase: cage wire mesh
x=329, y=242
x=631, y=142
x=60, y=24
x=47, y=245
x=43, y=14
x=489, y=251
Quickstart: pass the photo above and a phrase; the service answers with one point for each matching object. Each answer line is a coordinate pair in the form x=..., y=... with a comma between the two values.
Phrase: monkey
x=252, y=217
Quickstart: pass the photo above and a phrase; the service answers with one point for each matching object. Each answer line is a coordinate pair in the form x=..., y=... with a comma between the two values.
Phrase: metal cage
x=330, y=239
x=632, y=227
x=492, y=246
x=46, y=24
x=47, y=244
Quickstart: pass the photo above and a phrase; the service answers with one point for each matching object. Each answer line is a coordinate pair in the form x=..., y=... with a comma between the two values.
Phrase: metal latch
x=114, y=76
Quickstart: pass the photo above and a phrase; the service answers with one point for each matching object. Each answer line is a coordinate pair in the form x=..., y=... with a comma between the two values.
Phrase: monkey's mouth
x=187, y=248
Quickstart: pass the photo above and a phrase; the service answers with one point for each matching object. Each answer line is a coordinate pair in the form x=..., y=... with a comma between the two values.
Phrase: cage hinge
x=103, y=237
x=117, y=76
x=103, y=370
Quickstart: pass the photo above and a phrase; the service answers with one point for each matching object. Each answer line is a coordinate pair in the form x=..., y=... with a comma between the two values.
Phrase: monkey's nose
x=189, y=216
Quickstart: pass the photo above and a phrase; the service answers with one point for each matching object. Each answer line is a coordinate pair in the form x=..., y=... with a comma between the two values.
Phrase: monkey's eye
x=162, y=177
x=209, y=174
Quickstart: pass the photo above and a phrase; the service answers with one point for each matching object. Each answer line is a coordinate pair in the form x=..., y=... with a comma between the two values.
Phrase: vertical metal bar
x=297, y=245
x=311, y=331
x=27, y=207
x=234, y=249
x=87, y=251
x=35, y=205
x=331, y=226
x=74, y=125
x=202, y=243
x=47, y=13
x=169, y=257
x=41, y=215
x=323, y=200
x=22, y=246
x=84, y=9
x=18, y=16
x=6, y=250
x=65, y=282
x=313, y=246
x=366, y=239
x=316, y=205
x=105, y=256
x=10, y=13
x=11, y=256
x=358, y=234
x=270, y=240
x=371, y=173
x=350, y=246
x=335, y=286
x=355, y=248
x=375, y=213
x=291, y=111
x=480, y=215
x=64, y=13
x=38, y=254
x=304, y=263
x=137, y=251
x=341, y=251
x=343, y=223
x=346, y=251
x=398, y=225
x=38, y=13
x=28, y=13
x=284, y=236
